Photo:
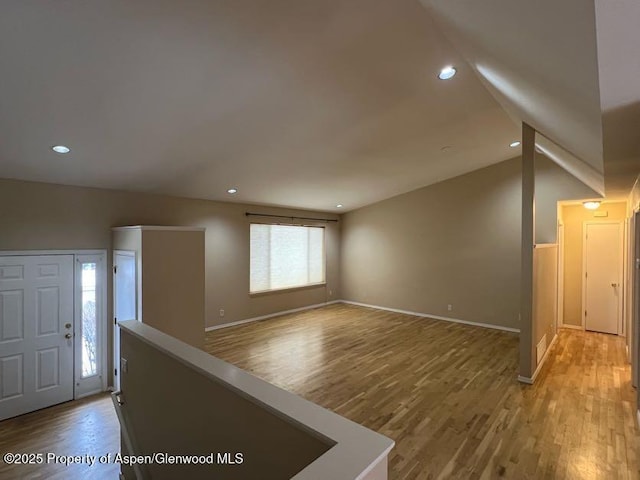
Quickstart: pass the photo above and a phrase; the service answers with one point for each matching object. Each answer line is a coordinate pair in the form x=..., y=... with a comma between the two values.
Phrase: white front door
x=36, y=332
x=603, y=276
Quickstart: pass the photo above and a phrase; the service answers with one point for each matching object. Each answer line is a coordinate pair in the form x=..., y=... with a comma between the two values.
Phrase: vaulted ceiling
x=567, y=68
x=294, y=103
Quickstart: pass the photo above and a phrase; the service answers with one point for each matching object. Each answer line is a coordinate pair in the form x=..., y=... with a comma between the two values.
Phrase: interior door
x=603, y=276
x=124, y=301
x=36, y=332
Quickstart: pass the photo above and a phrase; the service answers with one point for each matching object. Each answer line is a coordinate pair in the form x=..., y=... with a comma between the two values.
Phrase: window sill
x=287, y=290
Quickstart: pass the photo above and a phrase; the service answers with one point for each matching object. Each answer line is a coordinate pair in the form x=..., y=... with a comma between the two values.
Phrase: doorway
x=124, y=301
x=602, y=267
x=51, y=328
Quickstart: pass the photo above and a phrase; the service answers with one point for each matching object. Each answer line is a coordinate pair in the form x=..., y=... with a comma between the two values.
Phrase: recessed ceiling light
x=447, y=72
x=60, y=149
x=591, y=205
x=339, y=205
x=514, y=144
x=232, y=190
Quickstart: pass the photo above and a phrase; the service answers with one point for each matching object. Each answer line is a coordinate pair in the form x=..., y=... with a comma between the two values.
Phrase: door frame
x=90, y=386
x=103, y=292
x=560, y=280
x=635, y=299
x=116, y=339
x=621, y=282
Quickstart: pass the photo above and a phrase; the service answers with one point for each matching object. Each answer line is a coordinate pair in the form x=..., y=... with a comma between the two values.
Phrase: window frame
x=84, y=386
x=297, y=287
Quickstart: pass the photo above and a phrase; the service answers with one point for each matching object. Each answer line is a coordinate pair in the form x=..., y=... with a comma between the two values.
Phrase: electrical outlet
x=222, y=312
x=124, y=365
x=330, y=292
x=449, y=307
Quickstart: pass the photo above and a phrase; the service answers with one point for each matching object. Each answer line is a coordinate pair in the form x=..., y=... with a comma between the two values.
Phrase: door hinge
x=586, y=274
x=116, y=372
x=585, y=313
x=115, y=269
x=115, y=321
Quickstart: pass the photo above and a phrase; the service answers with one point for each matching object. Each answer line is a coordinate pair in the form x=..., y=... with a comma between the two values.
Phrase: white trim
x=348, y=302
x=159, y=227
x=100, y=259
x=531, y=380
x=560, y=276
x=436, y=317
x=115, y=345
x=17, y=253
x=260, y=293
x=270, y=315
x=572, y=327
x=545, y=245
x=355, y=448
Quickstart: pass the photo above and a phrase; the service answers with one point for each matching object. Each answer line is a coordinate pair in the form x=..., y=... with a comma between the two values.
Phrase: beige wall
x=173, y=283
x=554, y=184
x=45, y=216
x=456, y=242
x=574, y=217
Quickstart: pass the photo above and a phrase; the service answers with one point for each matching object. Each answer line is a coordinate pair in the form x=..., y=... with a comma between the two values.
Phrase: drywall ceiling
x=303, y=104
x=567, y=68
x=539, y=60
x=617, y=24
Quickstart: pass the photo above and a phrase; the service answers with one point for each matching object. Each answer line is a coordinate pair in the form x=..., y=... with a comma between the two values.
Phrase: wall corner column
x=527, y=356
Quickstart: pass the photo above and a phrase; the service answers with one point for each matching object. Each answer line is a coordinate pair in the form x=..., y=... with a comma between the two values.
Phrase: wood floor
x=83, y=427
x=448, y=395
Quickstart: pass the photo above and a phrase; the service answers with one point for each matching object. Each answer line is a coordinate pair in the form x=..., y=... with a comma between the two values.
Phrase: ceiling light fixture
x=339, y=205
x=60, y=149
x=591, y=204
x=232, y=191
x=515, y=144
x=447, y=72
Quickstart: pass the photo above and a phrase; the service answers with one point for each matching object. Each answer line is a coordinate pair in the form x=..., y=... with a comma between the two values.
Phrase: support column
x=527, y=355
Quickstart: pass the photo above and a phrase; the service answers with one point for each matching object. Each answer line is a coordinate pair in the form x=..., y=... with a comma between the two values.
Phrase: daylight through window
x=286, y=256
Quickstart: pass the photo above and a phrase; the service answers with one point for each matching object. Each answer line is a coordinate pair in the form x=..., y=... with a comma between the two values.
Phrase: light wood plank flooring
x=83, y=427
x=448, y=395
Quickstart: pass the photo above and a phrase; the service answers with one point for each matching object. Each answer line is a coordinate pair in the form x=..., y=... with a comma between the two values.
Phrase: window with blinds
x=285, y=256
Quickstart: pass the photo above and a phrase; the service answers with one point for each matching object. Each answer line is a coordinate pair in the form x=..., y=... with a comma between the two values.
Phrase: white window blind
x=285, y=256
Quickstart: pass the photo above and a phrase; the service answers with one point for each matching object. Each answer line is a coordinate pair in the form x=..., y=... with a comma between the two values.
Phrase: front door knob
x=68, y=336
x=67, y=325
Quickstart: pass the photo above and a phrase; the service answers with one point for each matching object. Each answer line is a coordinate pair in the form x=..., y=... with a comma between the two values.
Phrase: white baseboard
x=531, y=380
x=572, y=327
x=436, y=317
x=271, y=315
